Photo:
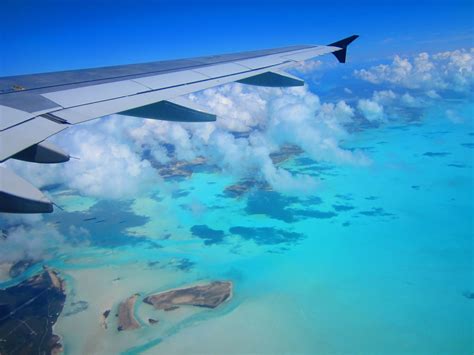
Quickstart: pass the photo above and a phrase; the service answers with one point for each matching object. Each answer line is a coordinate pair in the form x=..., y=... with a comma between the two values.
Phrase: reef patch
x=209, y=235
x=267, y=235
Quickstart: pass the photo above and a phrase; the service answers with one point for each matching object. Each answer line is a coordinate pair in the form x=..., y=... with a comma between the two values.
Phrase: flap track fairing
x=178, y=110
x=273, y=79
x=44, y=152
x=19, y=196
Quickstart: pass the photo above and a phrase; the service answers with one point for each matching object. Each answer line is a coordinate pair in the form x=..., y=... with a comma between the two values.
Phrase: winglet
x=343, y=43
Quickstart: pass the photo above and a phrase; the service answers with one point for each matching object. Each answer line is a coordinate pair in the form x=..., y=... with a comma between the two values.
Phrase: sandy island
x=209, y=296
x=126, y=318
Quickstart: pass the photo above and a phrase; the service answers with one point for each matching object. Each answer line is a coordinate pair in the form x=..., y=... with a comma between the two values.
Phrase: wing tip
x=343, y=43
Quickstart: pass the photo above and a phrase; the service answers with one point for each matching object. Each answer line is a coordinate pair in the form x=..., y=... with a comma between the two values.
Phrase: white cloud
x=29, y=241
x=108, y=166
x=409, y=101
x=238, y=107
x=371, y=110
x=384, y=97
x=386, y=104
x=270, y=118
x=308, y=66
x=29, y=236
x=299, y=118
x=451, y=70
x=252, y=123
x=283, y=181
x=432, y=94
x=454, y=116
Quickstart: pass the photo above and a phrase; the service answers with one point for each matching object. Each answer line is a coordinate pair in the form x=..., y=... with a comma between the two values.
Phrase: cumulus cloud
x=371, y=110
x=308, y=66
x=254, y=122
x=109, y=166
x=28, y=238
x=390, y=98
x=432, y=94
x=301, y=119
x=384, y=97
x=243, y=157
x=388, y=105
x=116, y=152
x=238, y=108
x=454, y=116
x=409, y=101
x=450, y=70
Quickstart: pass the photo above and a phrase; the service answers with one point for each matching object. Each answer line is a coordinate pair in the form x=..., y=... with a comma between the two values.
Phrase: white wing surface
x=35, y=107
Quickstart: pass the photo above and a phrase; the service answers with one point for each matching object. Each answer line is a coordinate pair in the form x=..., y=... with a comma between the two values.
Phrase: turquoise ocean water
x=378, y=261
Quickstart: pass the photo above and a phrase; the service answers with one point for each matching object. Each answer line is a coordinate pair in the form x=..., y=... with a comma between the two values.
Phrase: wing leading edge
x=35, y=107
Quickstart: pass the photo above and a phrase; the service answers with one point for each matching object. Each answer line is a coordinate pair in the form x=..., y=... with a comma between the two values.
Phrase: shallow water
x=377, y=261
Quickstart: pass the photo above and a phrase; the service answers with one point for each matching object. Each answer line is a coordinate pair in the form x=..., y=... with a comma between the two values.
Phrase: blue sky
x=40, y=36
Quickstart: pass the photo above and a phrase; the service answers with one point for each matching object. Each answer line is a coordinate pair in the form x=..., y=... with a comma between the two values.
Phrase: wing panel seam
x=176, y=86
x=158, y=72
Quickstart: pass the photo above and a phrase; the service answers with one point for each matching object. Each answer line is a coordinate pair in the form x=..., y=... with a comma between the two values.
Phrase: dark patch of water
x=266, y=235
x=436, y=154
x=209, y=235
x=341, y=208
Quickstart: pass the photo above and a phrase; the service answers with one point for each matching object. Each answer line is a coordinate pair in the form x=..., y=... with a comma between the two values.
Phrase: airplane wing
x=35, y=107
